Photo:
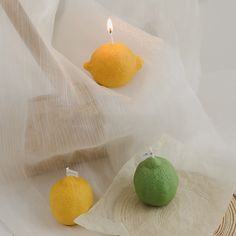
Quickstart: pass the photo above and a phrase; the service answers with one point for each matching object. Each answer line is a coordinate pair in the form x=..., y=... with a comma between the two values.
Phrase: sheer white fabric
x=54, y=115
x=177, y=22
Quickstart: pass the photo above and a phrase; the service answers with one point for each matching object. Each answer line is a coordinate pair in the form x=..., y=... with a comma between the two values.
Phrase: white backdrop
x=218, y=59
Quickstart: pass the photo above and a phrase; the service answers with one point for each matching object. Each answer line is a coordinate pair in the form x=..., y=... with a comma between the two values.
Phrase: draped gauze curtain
x=53, y=115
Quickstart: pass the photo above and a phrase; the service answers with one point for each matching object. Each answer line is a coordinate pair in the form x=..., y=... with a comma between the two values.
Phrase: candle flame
x=109, y=26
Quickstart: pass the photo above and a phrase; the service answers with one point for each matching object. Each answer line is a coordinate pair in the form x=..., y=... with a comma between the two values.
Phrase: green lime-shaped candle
x=155, y=181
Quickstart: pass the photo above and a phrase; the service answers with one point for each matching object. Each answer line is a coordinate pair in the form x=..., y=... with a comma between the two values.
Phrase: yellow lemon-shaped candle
x=69, y=198
x=113, y=65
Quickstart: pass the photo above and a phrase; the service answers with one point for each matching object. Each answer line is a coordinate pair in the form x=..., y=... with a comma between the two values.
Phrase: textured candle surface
x=113, y=65
x=155, y=181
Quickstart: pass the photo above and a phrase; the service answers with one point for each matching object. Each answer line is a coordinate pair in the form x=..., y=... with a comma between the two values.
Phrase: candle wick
x=112, y=40
x=151, y=151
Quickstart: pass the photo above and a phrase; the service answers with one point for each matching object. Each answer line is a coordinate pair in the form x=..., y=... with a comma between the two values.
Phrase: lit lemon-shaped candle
x=113, y=64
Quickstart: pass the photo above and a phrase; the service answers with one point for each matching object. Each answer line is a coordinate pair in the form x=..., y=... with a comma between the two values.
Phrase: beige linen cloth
x=197, y=208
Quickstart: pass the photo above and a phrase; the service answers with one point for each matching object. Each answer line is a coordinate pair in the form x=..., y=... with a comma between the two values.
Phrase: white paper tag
x=70, y=172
